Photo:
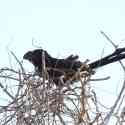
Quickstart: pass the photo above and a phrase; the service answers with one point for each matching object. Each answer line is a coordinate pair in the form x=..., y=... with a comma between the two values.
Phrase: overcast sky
x=64, y=27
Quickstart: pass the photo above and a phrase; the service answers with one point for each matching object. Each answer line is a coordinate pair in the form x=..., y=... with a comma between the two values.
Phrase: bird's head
x=35, y=56
x=28, y=56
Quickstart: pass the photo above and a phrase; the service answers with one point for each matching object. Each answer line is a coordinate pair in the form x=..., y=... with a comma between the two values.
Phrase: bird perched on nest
x=56, y=68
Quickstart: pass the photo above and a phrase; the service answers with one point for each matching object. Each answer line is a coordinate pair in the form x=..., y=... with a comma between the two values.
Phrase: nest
x=39, y=101
x=34, y=100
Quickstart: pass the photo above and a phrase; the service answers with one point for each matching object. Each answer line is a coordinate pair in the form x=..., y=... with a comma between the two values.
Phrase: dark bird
x=69, y=66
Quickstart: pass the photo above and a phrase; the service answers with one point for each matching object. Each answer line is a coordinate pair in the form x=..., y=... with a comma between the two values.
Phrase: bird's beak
x=28, y=56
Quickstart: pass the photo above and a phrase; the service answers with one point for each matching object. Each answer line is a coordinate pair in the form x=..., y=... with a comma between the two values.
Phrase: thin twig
x=108, y=116
x=6, y=91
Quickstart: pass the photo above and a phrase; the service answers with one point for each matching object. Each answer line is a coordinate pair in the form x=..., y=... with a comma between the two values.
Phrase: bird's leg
x=61, y=78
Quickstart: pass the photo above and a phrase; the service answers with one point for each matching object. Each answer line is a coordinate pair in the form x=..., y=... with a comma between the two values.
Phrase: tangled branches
x=39, y=101
x=28, y=99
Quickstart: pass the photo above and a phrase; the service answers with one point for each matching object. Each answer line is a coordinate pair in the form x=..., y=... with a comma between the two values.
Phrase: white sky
x=64, y=27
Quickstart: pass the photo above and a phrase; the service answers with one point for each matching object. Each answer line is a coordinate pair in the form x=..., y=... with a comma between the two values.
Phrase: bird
x=55, y=67
x=66, y=68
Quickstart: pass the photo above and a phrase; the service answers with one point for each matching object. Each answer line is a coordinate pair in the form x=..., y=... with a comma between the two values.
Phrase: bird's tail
x=119, y=54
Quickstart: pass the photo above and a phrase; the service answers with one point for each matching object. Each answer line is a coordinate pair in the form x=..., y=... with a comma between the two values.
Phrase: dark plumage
x=68, y=66
x=35, y=57
x=55, y=67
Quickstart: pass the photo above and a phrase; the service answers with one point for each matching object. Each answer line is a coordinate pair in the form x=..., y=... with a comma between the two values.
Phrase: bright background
x=64, y=27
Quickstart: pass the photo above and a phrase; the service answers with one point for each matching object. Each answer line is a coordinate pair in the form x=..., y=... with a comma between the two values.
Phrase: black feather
x=61, y=67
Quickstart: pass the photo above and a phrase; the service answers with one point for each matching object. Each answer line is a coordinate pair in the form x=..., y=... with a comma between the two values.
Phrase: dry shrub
x=31, y=100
